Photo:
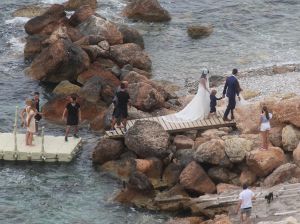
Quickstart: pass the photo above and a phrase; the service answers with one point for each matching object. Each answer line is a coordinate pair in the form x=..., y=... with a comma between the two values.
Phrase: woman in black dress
x=73, y=116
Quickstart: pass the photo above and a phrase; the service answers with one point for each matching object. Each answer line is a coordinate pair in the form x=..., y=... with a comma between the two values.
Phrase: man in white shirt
x=245, y=204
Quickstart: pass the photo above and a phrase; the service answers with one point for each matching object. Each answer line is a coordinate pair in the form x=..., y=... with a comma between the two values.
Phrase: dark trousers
x=230, y=107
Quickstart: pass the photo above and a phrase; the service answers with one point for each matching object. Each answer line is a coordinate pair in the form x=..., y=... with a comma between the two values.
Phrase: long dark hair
x=266, y=112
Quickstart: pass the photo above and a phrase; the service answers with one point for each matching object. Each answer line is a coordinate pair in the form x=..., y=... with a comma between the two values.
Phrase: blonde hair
x=30, y=103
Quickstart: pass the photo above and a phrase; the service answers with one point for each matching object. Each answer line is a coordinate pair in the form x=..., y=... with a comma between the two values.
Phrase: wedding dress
x=198, y=108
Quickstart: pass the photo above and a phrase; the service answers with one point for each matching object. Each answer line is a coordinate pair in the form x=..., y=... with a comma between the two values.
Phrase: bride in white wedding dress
x=198, y=108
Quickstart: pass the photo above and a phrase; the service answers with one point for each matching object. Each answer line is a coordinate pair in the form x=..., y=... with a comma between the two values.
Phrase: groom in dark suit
x=231, y=89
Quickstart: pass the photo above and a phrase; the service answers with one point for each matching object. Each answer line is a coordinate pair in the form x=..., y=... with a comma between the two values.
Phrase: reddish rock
x=275, y=136
x=51, y=16
x=76, y=4
x=99, y=26
x=152, y=168
x=282, y=174
x=193, y=178
x=54, y=108
x=290, y=137
x=74, y=34
x=130, y=54
x=147, y=10
x=106, y=150
x=247, y=177
x=81, y=14
x=213, y=134
x=264, y=162
x=296, y=155
x=120, y=168
x=33, y=45
x=89, y=40
x=60, y=61
x=223, y=188
x=183, y=142
x=212, y=152
x=219, y=174
x=144, y=97
x=131, y=35
x=222, y=219
x=199, y=141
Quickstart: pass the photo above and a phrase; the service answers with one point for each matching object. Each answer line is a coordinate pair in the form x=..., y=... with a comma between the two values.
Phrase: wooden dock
x=47, y=148
x=175, y=127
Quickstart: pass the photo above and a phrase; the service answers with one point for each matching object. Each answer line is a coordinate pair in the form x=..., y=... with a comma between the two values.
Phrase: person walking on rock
x=73, y=112
x=265, y=127
x=245, y=204
x=231, y=90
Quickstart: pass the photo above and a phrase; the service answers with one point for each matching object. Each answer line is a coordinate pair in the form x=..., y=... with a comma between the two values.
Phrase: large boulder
x=91, y=90
x=91, y=113
x=81, y=14
x=140, y=182
x=147, y=139
x=275, y=136
x=246, y=117
x=247, y=177
x=147, y=10
x=120, y=168
x=219, y=174
x=54, y=14
x=212, y=152
x=282, y=174
x=144, y=97
x=183, y=142
x=106, y=150
x=193, y=178
x=30, y=11
x=236, y=149
x=76, y=4
x=130, y=54
x=66, y=88
x=199, y=31
x=33, y=45
x=290, y=138
x=264, y=162
x=184, y=156
x=61, y=61
x=296, y=155
x=131, y=35
x=152, y=168
x=99, y=26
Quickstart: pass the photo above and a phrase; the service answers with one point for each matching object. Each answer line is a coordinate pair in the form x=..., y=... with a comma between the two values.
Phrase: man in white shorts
x=245, y=204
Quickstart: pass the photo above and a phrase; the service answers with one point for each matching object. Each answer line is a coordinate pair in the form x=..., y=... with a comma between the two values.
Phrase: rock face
x=246, y=118
x=131, y=54
x=106, y=150
x=183, y=142
x=212, y=152
x=187, y=220
x=263, y=163
x=75, y=4
x=33, y=45
x=147, y=10
x=139, y=181
x=147, y=139
x=236, y=149
x=171, y=174
x=276, y=136
x=247, y=177
x=283, y=173
x=131, y=35
x=61, y=61
x=219, y=174
x=199, y=31
x=66, y=88
x=290, y=138
x=193, y=178
x=222, y=188
x=296, y=155
x=52, y=15
x=99, y=26
x=54, y=108
x=81, y=14
x=144, y=97
x=120, y=168
x=30, y=11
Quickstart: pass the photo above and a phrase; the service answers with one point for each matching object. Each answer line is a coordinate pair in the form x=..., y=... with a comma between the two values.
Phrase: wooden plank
x=168, y=125
x=200, y=124
x=210, y=121
x=162, y=123
x=131, y=123
x=216, y=121
x=205, y=123
x=119, y=132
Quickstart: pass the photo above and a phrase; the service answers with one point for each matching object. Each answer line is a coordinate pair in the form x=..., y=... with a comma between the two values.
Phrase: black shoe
x=66, y=138
x=226, y=119
x=76, y=136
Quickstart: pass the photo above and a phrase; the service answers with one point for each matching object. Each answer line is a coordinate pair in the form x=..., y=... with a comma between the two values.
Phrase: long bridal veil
x=198, y=108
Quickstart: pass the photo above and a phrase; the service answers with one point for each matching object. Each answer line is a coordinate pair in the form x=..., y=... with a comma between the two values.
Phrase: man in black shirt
x=73, y=116
x=37, y=117
x=121, y=107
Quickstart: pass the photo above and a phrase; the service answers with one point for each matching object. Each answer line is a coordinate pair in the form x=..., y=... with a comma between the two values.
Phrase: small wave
x=16, y=44
x=17, y=20
x=53, y=1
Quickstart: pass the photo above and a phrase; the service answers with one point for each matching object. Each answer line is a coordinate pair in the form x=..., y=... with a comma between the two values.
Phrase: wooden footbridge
x=215, y=121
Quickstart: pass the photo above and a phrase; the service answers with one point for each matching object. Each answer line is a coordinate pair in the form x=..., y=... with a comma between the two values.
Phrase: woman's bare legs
x=27, y=137
x=263, y=139
x=267, y=139
x=30, y=138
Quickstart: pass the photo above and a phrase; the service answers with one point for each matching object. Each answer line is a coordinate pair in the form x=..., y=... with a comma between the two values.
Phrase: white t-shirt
x=246, y=197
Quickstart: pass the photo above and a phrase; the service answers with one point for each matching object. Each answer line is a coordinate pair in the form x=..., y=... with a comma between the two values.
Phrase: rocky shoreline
x=88, y=55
